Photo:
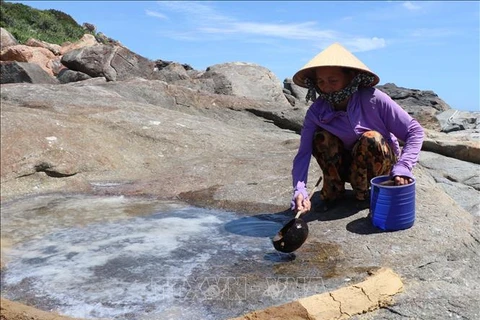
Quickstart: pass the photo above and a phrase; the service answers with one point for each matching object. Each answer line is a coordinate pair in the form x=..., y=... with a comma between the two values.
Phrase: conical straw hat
x=333, y=56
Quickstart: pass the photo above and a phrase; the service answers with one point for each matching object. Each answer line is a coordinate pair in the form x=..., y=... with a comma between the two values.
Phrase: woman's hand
x=401, y=180
x=302, y=205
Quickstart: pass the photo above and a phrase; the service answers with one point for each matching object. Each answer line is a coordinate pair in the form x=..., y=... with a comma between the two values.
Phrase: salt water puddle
x=177, y=263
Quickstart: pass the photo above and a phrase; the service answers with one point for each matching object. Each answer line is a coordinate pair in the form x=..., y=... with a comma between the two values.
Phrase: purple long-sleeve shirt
x=368, y=109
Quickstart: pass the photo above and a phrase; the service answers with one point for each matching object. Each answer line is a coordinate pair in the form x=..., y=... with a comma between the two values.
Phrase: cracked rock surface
x=375, y=292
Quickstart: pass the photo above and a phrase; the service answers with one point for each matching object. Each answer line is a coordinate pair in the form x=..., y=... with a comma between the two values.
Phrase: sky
x=425, y=45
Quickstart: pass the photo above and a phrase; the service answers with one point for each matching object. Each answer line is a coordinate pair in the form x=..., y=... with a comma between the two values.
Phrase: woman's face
x=332, y=79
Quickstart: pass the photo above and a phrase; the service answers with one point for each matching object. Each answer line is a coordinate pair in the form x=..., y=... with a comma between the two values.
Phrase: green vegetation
x=52, y=26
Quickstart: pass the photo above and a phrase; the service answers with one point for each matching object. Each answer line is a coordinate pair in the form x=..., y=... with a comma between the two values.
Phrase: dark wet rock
x=67, y=75
x=414, y=100
x=89, y=27
x=161, y=64
x=18, y=72
x=423, y=105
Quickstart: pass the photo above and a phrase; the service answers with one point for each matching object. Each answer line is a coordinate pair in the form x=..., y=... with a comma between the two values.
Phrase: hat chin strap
x=361, y=79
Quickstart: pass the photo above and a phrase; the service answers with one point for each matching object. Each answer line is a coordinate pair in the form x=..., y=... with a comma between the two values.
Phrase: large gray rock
x=247, y=80
x=128, y=65
x=115, y=63
x=6, y=39
x=172, y=73
x=18, y=72
x=94, y=61
x=459, y=179
x=242, y=80
x=464, y=146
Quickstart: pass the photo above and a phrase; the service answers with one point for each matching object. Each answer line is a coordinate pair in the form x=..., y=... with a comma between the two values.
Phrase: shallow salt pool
x=128, y=258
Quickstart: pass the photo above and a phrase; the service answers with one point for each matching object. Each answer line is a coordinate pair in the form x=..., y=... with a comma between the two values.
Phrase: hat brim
x=333, y=56
x=302, y=74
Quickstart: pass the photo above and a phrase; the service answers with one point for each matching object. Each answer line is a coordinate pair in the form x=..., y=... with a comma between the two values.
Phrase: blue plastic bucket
x=392, y=207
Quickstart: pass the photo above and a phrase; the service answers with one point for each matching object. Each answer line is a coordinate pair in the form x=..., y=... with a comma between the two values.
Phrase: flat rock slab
x=11, y=310
x=375, y=292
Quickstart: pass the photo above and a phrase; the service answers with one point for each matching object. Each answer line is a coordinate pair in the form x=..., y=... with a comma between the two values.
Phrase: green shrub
x=52, y=26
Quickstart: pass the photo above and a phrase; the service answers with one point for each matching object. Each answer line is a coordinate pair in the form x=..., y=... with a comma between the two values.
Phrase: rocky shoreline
x=224, y=138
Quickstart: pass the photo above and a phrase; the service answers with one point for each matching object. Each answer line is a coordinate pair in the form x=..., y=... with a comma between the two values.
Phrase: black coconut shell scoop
x=294, y=233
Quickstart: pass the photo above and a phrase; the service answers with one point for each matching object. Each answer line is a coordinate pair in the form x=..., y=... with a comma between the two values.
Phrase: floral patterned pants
x=371, y=156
